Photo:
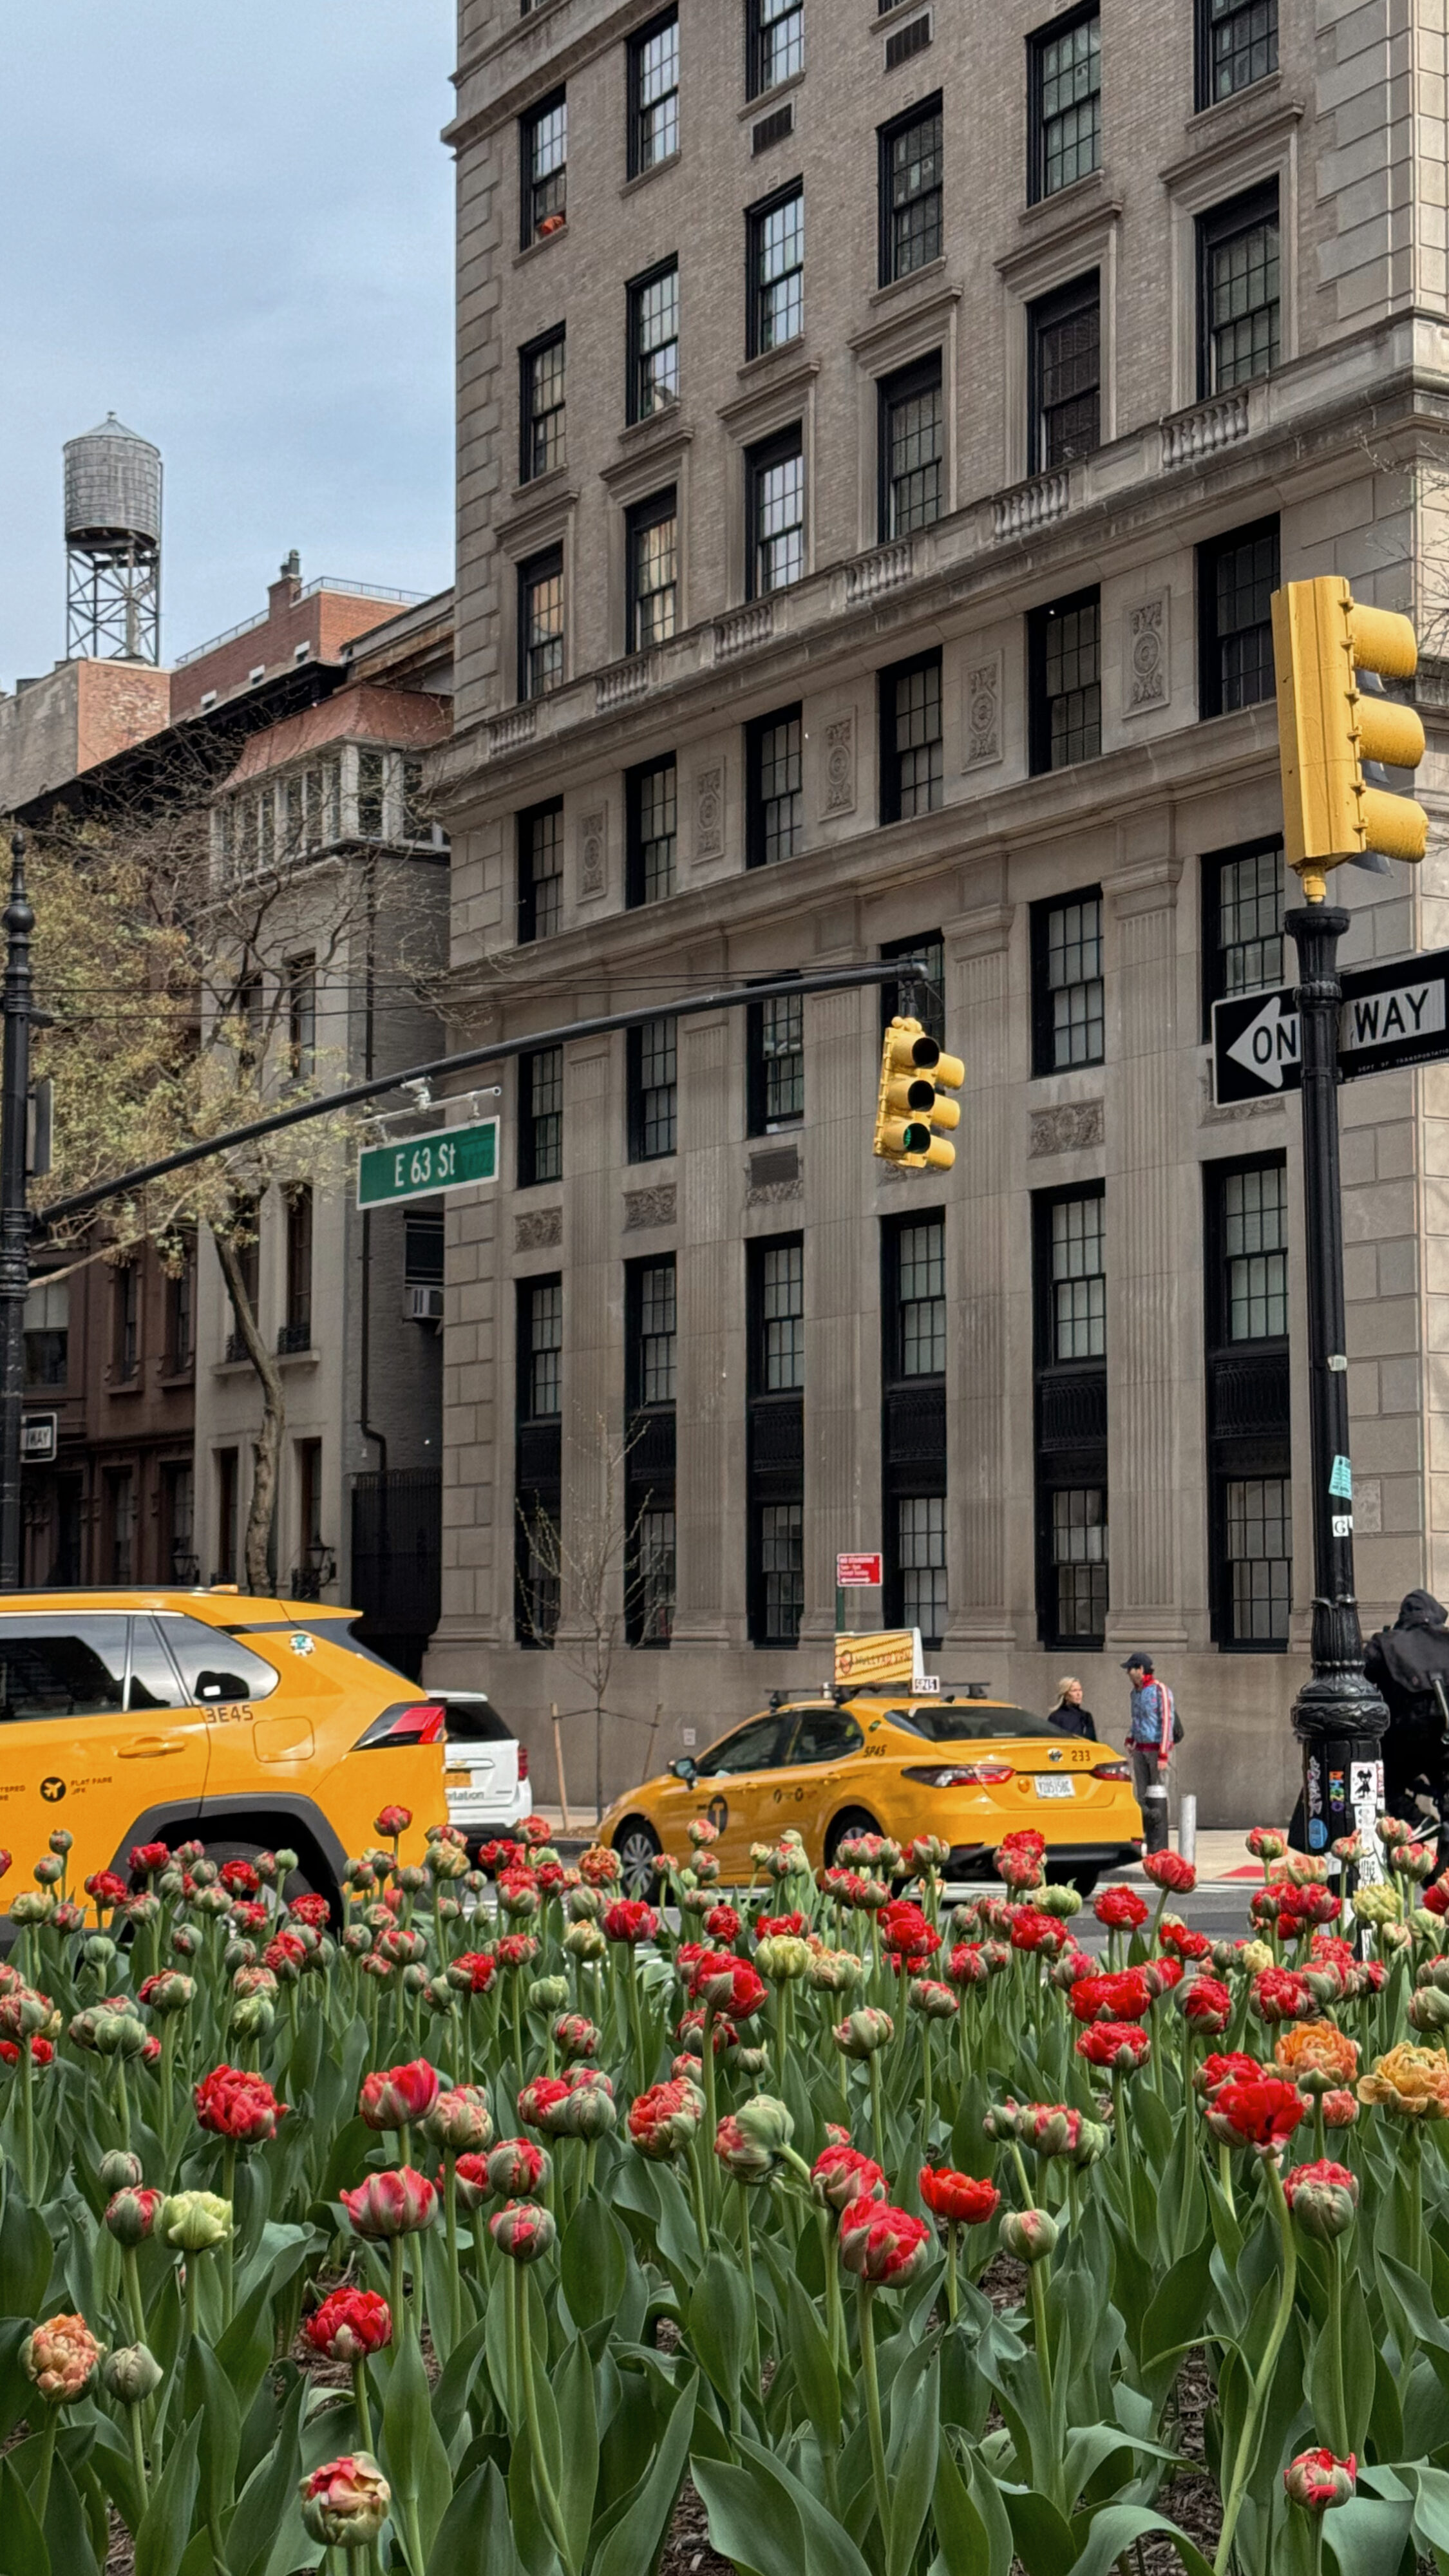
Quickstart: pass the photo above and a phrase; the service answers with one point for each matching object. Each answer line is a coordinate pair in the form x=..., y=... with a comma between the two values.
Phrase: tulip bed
x=458, y=2237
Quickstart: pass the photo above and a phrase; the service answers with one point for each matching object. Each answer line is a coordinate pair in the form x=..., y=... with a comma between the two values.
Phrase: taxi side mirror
x=684, y=1768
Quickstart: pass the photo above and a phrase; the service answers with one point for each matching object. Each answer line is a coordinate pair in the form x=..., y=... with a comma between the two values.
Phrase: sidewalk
x=1221, y=1853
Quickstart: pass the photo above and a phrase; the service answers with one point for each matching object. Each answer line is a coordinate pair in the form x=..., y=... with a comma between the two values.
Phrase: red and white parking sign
x=857, y=1572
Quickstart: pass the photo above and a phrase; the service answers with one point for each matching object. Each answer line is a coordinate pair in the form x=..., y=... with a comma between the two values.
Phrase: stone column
x=1145, y=1249
x=988, y=1395
x=710, y=1411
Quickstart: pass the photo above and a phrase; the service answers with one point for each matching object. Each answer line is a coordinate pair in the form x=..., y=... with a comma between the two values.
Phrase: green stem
x=696, y=2192
x=871, y=2377
x=450, y=2221
x=747, y=2254
x=193, y=2277
x=397, y=2292
x=952, y=2290
x=359, y=2399
x=1338, y=2404
x=711, y=2115
x=548, y=2501
x=1225, y=2176
x=1039, y=2320
x=40, y=2495
x=138, y=2450
x=228, y=2265
x=516, y=1992
x=1247, y=2451
x=877, y=2116
x=131, y=2275
x=27, y=2106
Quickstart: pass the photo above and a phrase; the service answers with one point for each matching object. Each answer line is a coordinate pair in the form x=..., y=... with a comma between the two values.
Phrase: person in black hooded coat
x=1404, y=1661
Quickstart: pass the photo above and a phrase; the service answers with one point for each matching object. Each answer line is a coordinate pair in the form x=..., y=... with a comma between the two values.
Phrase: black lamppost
x=1338, y=1717
x=18, y=923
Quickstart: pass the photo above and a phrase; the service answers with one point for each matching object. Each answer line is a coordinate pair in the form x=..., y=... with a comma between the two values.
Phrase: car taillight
x=407, y=1722
x=964, y=1775
x=523, y=1762
x=1111, y=1770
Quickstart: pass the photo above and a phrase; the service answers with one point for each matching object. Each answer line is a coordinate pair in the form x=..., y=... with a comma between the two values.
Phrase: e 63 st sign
x=453, y=1158
x=1392, y=1016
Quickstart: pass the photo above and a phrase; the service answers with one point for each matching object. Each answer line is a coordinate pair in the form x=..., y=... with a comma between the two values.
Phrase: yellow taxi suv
x=170, y=1716
x=962, y=1766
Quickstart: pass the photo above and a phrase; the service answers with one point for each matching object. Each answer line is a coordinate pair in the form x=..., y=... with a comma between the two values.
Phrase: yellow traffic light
x=1336, y=729
x=916, y=1080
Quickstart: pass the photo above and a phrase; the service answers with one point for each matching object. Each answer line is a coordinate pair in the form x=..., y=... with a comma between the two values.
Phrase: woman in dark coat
x=1069, y=1713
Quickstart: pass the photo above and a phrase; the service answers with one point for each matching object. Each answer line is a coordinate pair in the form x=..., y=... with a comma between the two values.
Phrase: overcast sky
x=233, y=228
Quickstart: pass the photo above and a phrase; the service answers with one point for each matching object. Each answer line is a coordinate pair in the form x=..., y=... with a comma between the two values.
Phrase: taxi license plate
x=1048, y=1786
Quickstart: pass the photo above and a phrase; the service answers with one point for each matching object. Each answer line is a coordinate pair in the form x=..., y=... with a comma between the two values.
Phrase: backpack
x=1178, y=1729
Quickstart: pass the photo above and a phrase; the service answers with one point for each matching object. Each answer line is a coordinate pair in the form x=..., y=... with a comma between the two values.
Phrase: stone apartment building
x=881, y=428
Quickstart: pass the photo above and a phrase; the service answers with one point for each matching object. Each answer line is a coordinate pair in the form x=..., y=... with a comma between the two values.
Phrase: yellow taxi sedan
x=959, y=1765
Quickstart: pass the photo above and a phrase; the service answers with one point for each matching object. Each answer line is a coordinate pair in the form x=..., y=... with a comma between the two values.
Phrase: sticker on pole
x=1340, y=1480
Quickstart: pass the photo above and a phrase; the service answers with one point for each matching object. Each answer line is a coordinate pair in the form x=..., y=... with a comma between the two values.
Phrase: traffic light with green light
x=1338, y=732
x=916, y=1113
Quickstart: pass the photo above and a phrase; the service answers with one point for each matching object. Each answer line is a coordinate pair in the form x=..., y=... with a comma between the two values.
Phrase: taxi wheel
x=638, y=1847
x=854, y=1821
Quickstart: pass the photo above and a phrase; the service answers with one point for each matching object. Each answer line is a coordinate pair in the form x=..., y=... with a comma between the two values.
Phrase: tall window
x=302, y=1016
x=776, y=42
x=1068, y=994
x=1239, y=292
x=544, y=155
x=654, y=93
x=775, y=816
x=538, y=1460
x=178, y=1504
x=1260, y=1558
x=653, y=1059
x=542, y=1372
x=1244, y=893
x=913, y=1425
x=296, y=1330
x=912, y=763
x=782, y=1572
x=307, y=1581
x=923, y=998
x=1237, y=44
x=1255, y=1252
x=651, y=1341
x=1078, y=1280
x=540, y=1117
x=121, y=1499
x=775, y=1040
x=653, y=543
x=424, y=1248
x=781, y=1360
x=1064, y=678
x=1079, y=1561
x=653, y=1581
x=125, y=1321
x=1066, y=101
x=541, y=624
x=1248, y=1402
x=540, y=872
x=653, y=821
x=654, y=341
x=921, y=1553
x=1065, y=353
x=777, y=270
x=912, y=449
x=371, y=794
x=1071, y=1417
x=910, y=192
x=655, y=1334
x=1236, y=578
x=776, y=488
x=921, y=1298
x=47, y=1332
x=541, y=368
x=776, y=1275
x=227, y=1484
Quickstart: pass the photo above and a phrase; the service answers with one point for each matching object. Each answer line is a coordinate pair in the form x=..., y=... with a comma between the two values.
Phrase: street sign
x=453, y=1158
x=857, y=1572
x=1392, y=1016
x=40, y=1437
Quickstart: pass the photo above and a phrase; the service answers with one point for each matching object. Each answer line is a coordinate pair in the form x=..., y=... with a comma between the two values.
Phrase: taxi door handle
x=142, y=1746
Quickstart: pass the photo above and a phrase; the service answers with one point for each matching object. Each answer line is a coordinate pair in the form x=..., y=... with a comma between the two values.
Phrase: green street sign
x=456, y=1158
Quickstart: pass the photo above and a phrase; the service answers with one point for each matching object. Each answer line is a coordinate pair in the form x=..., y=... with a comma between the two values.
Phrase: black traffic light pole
x=1338, y=1717
x=18, y=923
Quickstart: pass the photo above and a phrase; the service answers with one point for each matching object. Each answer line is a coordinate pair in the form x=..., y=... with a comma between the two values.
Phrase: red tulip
x=1118, y=2046
x=397, y=2203
x=729, y=1985
x=234, y=2104
x=1323, y=2198
x=883, y=2245
x=517, y=2169
x=350, y=2324
x=392, y=1821
x=1260, y=2114
x=1169, y=1869
x=957, y=2198
x=840, y=2175
x=1207, y=2005
x=663, y=2120
x=398, y=2095
x=1120, y=1908
x=148, y=1859
x=1317, y=2480
x=1233, y=2068
x=522, y=2229
x=630, y=1920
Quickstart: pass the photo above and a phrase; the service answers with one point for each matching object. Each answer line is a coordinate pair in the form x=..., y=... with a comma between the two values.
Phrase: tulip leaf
x=1366, y=2536
x=117, y=2468
x=573, y=2393
x=1118, y=2527
x=592, y=2262
x=962, y=2540
x=915, y=2435
x=633, y=2542
x=475, y=2537
x=815, y=2372
x=22, y=2543
x=450, y=2397
x=26, y=2257
x=268, y=2492
x=248, y=2344
x=417, y=2460
x=209, y=2395
x=66, y=2535
x=1044, y=2539
x=166, y=2523
x=719, y=2325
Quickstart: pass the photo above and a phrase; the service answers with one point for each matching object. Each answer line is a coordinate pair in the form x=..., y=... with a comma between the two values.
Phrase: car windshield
x=966, y=1721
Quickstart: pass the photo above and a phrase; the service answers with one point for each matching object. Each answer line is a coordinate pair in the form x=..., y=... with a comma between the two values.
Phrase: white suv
x=487, y=1768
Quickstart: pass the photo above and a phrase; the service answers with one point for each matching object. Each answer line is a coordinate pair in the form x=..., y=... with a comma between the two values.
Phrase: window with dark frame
x=540, y=872
x=1069, y=1271
x=653, y=1087
x=302, y=1016
x=543, y=162
x=47, y=1332
x=652, y=1580
x=1239, y=292
x=228, y=1479
x=125, y=1321
x=911, y=194
x=654, y=341
x=1064, y=679
x=181, y=1313
x=540, y=1117
x=920, y=1552
x=652, y=541
x=1237, y=575
x=775, y=1063
x=541, y=624
x=921, y=1298
x=1067, y=990
x=775, y=475
x=927, y=995
x=1244, y=898
x=654, y=1335
x=652, y=812
x=912, y=444
x=777, y=270
x=542, y=368
x=1064, y=349
x=1237, y=44
x=121, y=1502
x=780, y=1354
x=774, y=798
x=776, y=42
x=538, y=1459
x=309, y=1509
x=651, y=1339
x=912, y=758
x=1065, y=96
x=654, y=93
x=296, y=1330
x=424, y=1248
x=178, y=1507
x=913, y=1424
x=1248, y=1403
x=776, y=1379
x=371, y=794
x=542, y=1370
x=1078, y=1319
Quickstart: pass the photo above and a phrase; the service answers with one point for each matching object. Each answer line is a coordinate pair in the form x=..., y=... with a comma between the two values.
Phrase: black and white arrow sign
x=1392, y=1015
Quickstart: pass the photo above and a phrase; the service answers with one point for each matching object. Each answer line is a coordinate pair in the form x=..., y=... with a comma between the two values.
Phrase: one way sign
x=1392, y=1015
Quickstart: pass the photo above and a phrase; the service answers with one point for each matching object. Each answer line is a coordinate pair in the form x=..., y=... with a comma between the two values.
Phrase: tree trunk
x=274, y=1419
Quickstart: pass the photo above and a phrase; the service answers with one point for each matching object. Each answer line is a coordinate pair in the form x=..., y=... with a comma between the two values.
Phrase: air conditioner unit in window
x=424, y=1305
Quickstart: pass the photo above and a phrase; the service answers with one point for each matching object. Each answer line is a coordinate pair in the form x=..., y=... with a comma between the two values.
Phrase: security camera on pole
x=1336, y=729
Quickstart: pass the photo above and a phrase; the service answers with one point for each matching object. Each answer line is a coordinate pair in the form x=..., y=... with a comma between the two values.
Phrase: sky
x=232, y=227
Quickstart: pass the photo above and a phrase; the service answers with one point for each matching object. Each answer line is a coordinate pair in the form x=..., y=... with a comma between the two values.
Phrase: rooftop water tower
x=113, y=545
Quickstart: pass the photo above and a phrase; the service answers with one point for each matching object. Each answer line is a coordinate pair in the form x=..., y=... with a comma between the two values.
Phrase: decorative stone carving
x=1148, y=679
x=594, y=854
x=709, y=811
x=840, y=766
x=983, y=713
x=650, y=1207
x=775, y=1176
x=539, y=1229
x=1065, y=1130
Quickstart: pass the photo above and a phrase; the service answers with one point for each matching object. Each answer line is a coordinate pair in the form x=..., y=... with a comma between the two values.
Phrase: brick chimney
x=286, y=590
